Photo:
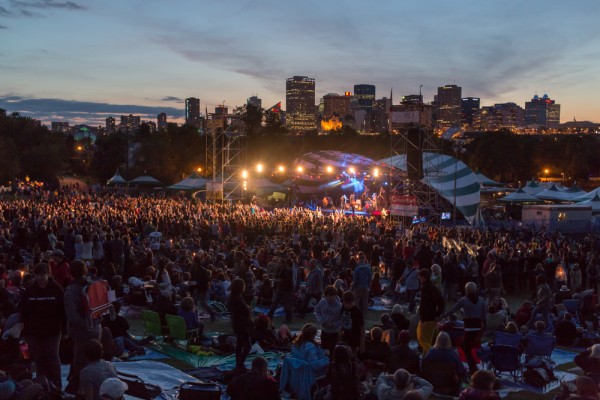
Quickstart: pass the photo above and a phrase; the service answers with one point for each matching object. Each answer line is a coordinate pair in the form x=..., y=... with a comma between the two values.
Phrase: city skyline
x=82, y=60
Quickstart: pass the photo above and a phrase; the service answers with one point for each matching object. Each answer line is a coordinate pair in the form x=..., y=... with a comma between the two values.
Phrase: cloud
x=171, y=98
x=47, y=4
x=3, y=27
x=81, y=111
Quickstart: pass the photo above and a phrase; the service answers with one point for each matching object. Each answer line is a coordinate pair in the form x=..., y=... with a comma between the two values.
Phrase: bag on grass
x=136, y=387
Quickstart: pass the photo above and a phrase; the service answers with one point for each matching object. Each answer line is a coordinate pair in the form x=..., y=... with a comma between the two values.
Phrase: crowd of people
x=446, y=297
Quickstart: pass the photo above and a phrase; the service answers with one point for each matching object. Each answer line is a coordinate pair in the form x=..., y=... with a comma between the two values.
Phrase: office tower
x=151, y=126
x=254, y=101
x=469, y=106
x=192, y=111
x=130, y=123
x=111, y=125
x=543, y=112
x=161, y=120
x=509, y=116
x=449, y=106
x=60, y=126
x=365, y=96
x=300, y=103
x=412, y=99
x=333, y=103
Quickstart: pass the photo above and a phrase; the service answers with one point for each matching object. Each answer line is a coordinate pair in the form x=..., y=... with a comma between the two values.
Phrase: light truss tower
x=419, y=146
x=226, y=157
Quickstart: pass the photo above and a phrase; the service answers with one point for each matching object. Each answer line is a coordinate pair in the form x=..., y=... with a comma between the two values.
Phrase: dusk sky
x=83, y=60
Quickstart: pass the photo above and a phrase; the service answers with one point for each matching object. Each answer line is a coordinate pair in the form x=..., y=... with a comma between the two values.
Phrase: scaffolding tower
x=226, y=157
x=423, y=141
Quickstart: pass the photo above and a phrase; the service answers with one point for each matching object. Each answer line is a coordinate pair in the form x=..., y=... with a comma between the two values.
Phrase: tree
x=251, y=117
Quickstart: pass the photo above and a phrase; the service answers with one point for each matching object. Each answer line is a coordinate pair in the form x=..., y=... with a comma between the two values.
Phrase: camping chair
x=442, y=375
x=572, y=306
x=506, y=359
x=539, y=346
x=153, y=325
x=97, y=301
x=508, y=339
x=178, y=330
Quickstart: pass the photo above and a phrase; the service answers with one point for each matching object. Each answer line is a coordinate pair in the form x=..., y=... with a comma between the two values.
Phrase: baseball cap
x=113, y=388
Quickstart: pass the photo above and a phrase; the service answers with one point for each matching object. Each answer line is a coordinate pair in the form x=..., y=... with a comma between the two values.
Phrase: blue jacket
x=361, y=277
x=313, y=355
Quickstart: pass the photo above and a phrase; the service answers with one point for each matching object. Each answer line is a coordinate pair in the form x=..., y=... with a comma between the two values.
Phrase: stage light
x=281, y=168
x=300, y=169
x=352, y=170
x=376, y=172
x=244, y=174
x=329, y=169
x=259, y=168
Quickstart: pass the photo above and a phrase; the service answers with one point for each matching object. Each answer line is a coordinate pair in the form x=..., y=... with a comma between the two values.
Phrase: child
x=187, y=311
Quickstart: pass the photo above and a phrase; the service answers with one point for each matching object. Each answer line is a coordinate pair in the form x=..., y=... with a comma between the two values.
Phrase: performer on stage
x=343, y=201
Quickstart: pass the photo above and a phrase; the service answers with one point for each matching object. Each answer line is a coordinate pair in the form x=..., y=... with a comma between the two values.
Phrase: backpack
x=539, y=372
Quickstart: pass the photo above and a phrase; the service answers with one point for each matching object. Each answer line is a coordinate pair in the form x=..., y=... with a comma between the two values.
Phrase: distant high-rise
x=192, y=111
x=59, y=126
x=449, y=106
x=365, y=96
x=543, y=112
x=499, y=116
x=130, y=123
x=300, y=104
x=254, y=101
x=469, y=106
x=334, y=103
x=111, y=125
x=161, y=121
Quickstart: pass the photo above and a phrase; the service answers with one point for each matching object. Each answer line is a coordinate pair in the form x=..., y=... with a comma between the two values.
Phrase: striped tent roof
x=440, y=172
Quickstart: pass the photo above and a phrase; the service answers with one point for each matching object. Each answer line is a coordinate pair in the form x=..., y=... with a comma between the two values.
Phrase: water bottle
x=24, y=349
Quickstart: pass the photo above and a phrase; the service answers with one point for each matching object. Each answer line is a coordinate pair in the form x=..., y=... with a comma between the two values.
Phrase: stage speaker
x=414, y=153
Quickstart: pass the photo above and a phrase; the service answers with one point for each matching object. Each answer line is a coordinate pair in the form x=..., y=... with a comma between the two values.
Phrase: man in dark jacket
x=241, y=322
x=43, y=315
x=77, y=324
x=432, y=306
x=285, y=291
x=256, y=384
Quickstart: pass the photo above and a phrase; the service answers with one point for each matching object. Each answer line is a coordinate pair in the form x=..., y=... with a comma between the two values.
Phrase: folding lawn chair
x=178, y=330
x=539, y=346
x=572, y=306
x=506, y=359
x=153, y=325
x=97, y=301
x=508, y=339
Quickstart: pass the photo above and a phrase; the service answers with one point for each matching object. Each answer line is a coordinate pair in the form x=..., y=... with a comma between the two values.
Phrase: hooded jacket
x=329, y=315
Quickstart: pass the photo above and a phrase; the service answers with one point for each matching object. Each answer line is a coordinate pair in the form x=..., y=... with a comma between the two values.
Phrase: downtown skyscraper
x=300, y=104
x=192, y=111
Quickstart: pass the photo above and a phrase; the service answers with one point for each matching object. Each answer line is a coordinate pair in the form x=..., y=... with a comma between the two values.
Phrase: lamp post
x=546, y=173
x=458, y=148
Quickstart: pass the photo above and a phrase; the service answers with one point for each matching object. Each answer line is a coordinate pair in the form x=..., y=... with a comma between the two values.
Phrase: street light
x=199, y=169
x=546, y=172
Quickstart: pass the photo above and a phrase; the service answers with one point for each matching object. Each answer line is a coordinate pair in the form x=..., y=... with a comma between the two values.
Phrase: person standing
x=43, y=314
x=241, y=322
x=474, y=318
x=353, y=324
x=78, y=327
x=328, y=312
x=285, y=291
x=544, y=302
x=361, y=283
x=410, y=278
x=314, y=285
x=431, y=307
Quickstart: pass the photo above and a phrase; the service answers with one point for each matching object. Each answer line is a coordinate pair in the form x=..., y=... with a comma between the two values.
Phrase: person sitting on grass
x=96, y=371
x=119, y=328
x=305, y=348
x=481, y=388
x=376, y=351
x=187, y=311
x=398, y=385
x=256, y=384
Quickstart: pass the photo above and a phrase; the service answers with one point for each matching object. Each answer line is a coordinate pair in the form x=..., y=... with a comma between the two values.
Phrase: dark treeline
x=28, y=149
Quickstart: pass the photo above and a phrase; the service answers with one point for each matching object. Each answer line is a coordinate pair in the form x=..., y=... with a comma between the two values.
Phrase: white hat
x=113, y=388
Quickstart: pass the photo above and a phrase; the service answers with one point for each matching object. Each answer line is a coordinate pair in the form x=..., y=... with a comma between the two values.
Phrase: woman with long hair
x=474, y=318
x=305, y=348
x=343, y=375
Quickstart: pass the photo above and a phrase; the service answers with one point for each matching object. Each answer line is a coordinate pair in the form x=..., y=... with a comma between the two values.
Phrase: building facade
x=334, y=103
x=161, y=121
x=192, y=111
x=300, y=104
x=254, y=101
x=542, y=112
x=448, y=103
x=469, y=106
x=364, y=96
x=60, y=126
x=130, y=123
x=111, y=125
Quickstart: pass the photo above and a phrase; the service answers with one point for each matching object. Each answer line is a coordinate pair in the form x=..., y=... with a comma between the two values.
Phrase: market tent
x=264, y=186
x=532, y=187
x=116, y=179
x=589, y=195
x=441, y=171
x=574, y=192
x=554, y=194
x=485, y=181
x=192, y=182
x=520, y=196
x=146, y=180
x=593, y=202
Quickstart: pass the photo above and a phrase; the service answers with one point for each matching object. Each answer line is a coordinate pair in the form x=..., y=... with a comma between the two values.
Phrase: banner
x=214, y=123
x=405, y=206
x=214, y=191
x=405, y=117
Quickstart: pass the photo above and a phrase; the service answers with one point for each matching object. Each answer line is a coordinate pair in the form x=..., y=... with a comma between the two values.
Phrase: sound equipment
x=414, y=153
